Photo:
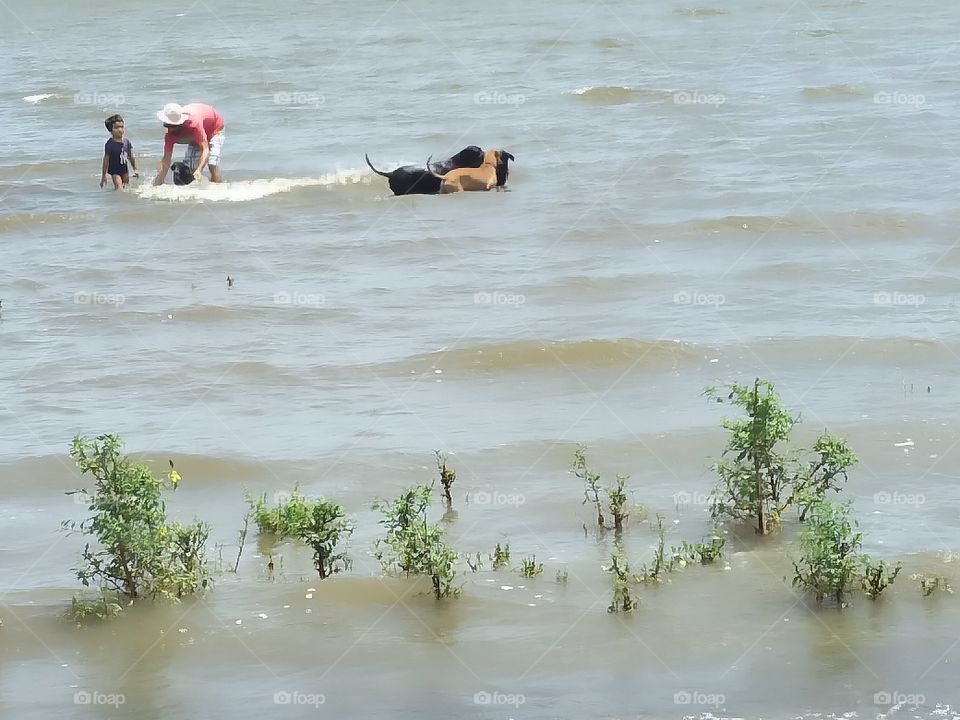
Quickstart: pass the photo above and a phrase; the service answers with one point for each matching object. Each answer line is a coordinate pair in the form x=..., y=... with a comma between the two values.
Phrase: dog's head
x=182, y=174
x=500, y=160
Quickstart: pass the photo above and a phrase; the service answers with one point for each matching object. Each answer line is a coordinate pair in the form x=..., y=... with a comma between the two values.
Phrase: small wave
x=610, y=43
x=700, y=12
x=245, y=190
x=831, y=92
x=606, y=94
x=35, y=99
x=818, y=33
x=535, y=355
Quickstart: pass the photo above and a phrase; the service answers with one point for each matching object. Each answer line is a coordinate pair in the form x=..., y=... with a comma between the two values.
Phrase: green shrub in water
x=501, y=556
x=413, y=546
x=530, y=568
x=829, y=552
x=321, y=524
x=758, y=477
x=622, y=600
x=616, y=495
x=135, y=552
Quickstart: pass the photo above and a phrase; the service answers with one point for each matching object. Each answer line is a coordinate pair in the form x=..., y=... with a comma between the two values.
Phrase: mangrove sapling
x=530, y=568
x=327, y=524
x=591, y=481
x=877, y=577
x=753, y=474
x=320, y=524
x=618, y=503
x=241, y=540
x=931, y=583
x=824, y=473
x=829, y=551
x=622, y=600
x=415, y=547
x=137, y=553
x=501, y=556
x=102, y=608
x=287, y=520
x=616, y=495
x=447, y=476
x=704, y=553
x=663, y=562
x=474, y=562
x=562, y=576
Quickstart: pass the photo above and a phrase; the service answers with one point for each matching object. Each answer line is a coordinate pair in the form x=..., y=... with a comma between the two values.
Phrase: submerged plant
x=753, y=473
x=622, y=600
x=415, y=547
x=704, y=553
x=447, y=476
x=759, y=478
x=829, y=558
x=616, y=495
x=501, y=556
x=320, y=524
x=562, y=576
x=101, y=608
x=877, y=577
x=136, y=552
x=663, y=562
x=929, y=584
x=530, y=568
x=591, y=481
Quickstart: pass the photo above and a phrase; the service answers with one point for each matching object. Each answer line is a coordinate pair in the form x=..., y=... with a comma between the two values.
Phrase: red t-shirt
x=204, y=122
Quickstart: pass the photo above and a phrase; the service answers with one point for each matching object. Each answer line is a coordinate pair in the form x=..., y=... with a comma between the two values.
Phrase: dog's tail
x=378, y=172
x=430, y=169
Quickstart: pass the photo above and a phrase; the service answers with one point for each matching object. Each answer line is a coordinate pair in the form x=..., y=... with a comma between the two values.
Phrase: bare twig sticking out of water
x=230, y=281
x=242, y=537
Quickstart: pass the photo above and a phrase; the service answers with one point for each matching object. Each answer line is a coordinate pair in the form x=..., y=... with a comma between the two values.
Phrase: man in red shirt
x=200, y=127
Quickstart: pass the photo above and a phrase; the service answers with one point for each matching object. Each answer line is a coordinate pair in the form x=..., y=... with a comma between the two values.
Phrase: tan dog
x=491, y=174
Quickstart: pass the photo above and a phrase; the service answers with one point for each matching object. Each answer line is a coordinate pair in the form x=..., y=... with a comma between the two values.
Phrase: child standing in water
x=116, y=153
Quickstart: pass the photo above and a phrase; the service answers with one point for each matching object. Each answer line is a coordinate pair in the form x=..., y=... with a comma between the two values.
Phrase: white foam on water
x=34, y=99
x=245, y=190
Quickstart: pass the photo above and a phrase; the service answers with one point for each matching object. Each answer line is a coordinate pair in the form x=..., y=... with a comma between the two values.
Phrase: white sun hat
x=172, y=114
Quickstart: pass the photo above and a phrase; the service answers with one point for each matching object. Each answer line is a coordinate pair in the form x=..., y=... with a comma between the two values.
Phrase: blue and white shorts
x=192, y=156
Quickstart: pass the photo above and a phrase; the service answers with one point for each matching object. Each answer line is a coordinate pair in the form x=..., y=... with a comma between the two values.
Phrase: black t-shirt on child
x=117, y=151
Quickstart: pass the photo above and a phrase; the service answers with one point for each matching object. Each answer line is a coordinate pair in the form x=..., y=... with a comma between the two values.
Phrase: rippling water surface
x=700, y=194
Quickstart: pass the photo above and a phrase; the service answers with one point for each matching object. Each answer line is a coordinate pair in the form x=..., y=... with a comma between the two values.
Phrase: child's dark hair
x=111, y=120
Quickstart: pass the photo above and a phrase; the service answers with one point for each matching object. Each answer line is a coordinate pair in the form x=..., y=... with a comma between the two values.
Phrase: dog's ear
x=507, y=155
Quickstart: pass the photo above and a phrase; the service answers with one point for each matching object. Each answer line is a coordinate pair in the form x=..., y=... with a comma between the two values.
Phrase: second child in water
x=117, y=155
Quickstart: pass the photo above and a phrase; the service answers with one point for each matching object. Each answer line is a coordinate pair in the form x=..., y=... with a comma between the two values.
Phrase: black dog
x=182, y=174
x=415, y=180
